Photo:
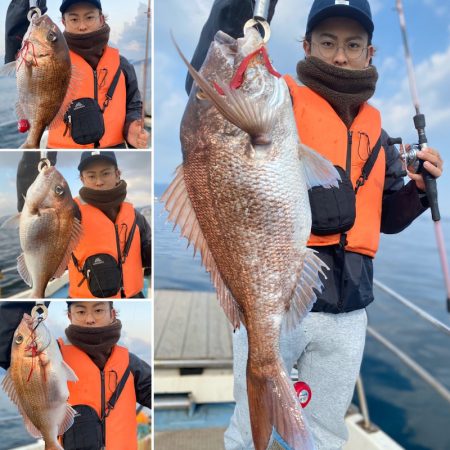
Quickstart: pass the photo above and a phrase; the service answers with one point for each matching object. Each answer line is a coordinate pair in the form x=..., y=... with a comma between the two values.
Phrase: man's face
x=91, y=314
x=100, y=175
x=83, y=18
x=342, y=42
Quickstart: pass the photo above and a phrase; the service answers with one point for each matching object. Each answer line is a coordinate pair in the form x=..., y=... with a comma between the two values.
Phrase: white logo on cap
x=342, y=2
x=95, y=152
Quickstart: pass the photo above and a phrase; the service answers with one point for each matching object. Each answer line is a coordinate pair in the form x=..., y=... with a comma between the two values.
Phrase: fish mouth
x=241, y=47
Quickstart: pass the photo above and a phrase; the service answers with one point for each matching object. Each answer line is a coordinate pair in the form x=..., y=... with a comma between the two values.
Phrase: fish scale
x=43, y=71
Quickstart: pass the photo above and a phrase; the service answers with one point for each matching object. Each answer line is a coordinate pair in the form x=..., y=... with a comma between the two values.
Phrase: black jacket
x=11, y=314
x=349, y=283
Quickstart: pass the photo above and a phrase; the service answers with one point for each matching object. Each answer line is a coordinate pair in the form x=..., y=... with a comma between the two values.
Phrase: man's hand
x=433, y=164
x=137, y=136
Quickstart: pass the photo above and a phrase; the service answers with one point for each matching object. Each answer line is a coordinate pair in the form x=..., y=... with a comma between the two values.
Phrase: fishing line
x=147, y=43
x=419, y=124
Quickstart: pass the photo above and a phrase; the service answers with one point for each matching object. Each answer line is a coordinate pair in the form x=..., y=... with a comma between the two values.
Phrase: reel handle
x=398, y=141
x=430, y=181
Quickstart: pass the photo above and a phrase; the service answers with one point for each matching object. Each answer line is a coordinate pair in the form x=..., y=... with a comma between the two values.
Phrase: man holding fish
x=90, y=371
x=102, y=108
x=99, y=236
x=329, y=98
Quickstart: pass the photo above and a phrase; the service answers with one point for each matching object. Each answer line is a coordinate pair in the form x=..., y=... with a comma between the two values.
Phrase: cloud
x=132, y=40
x=432, y=77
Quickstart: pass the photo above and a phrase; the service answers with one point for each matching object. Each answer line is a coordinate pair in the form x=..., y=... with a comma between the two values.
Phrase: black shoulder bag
x=84, y=117
x=333, y=209
x=102, y=272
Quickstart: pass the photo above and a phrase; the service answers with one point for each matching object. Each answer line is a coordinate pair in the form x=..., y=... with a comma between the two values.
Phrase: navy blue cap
x=66, y=4
x=96, y=155
x=358, y=10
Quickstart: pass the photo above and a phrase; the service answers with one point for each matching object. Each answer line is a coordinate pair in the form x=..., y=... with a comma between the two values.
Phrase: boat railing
x=403, y=357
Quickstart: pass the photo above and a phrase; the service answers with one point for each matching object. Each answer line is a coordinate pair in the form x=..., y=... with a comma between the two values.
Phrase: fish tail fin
x=318, y=170
x=275, y=412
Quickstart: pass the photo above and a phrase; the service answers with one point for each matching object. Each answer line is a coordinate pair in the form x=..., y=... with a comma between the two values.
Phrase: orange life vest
x=121, y=426
x=99, y=236
x=320, y=128
x=114, y=114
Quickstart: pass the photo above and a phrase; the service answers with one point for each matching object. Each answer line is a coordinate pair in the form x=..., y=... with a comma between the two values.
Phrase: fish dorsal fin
x=23, y=269
x=10, y=389
x=253, y=117
x=77, y=231
x=304, y=296
x=68, y=420
x=318, y=170
x=181, y=213
x=71, y=376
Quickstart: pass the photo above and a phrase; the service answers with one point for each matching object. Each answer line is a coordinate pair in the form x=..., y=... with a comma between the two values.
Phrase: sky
x=128, y=24
x=134, y=165
x=429, y=35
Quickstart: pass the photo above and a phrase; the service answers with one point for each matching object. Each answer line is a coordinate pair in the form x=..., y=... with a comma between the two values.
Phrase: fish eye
x=51, y=36
x=59, y=190
x=19, y=339
x=201, y=95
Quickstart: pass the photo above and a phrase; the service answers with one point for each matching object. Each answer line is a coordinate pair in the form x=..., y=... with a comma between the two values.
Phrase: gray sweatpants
x=328, y=349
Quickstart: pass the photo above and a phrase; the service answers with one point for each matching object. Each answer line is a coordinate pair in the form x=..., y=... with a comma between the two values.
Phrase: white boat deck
x=193, y=357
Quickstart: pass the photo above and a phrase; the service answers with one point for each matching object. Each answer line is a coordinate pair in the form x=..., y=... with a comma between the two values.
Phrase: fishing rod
x=147, y=44
x=430, y=181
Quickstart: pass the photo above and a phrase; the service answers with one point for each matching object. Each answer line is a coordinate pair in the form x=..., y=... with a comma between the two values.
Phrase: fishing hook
x=264, y=24
x=44, y=162
x=34, y=13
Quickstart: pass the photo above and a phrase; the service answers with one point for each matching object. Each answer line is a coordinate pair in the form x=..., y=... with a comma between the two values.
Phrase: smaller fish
x=48, y=229
x=43, y=71
x=36, y=382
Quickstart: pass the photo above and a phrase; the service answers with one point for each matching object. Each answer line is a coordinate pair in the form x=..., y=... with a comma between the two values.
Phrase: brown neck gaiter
x=96, y=342
x=108, y=201
x=90, y=46
x=344, y=89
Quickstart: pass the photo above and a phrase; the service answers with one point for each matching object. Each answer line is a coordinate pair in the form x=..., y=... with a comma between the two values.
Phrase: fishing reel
x=408, y=156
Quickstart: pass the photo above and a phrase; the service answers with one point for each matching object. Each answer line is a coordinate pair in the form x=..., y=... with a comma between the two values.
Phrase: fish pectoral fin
x=75, y=236
x=71, y=376
x=23, y=270
x=181, y=213
x=10, y=389
x=304, y=296
x=68, y=420
x=255, y=118
x=318, y=170
x=12, y=222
